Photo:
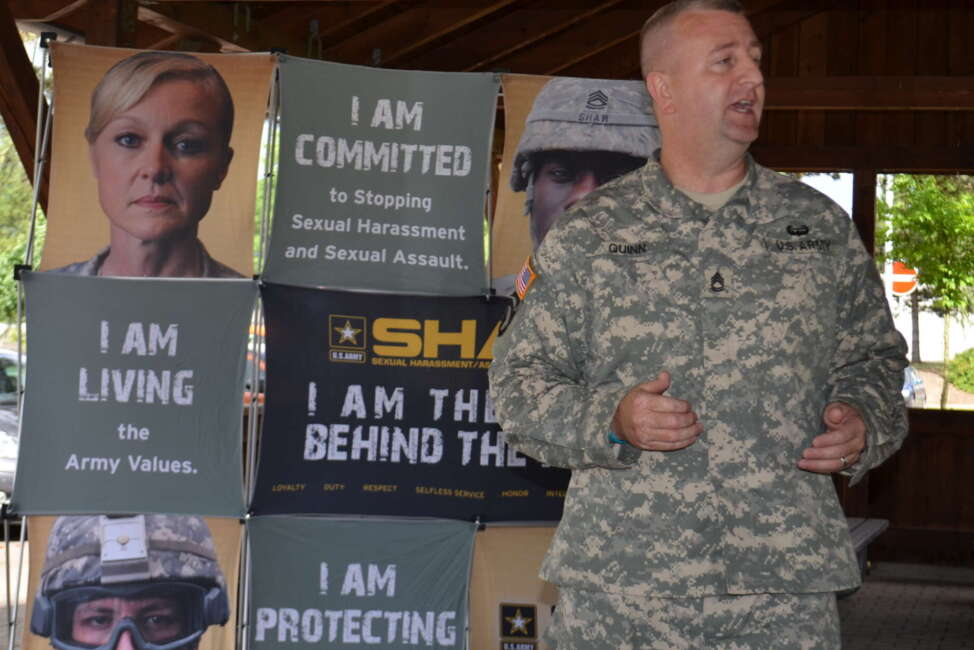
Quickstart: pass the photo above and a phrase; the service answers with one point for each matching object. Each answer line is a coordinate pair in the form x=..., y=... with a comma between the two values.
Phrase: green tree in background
x=16, y=195
x=929, y=224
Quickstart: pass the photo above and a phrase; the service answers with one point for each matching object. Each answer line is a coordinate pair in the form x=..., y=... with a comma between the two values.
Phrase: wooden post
x=855, y=500
x=864, y=206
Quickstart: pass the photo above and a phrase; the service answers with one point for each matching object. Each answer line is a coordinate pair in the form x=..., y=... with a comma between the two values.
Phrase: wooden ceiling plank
x=103, y=22
x=812, y=62
x=440, y=34
x=781, y=59
x=42, y=10
x=615, y=62
x=282, y=20
x=632, y=38
x=183, y=29
x=901, y=25
x=870, y=93
x=579, y=42
x=542, y=35
x=18, y=97
x=843, y=45
x=932, y=31
x=165, y=43
x=387, y=35
x=883, y=158
x=605, y=55
x=58, y=14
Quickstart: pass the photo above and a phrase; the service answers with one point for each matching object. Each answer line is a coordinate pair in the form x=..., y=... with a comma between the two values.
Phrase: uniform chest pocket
x=794, y=295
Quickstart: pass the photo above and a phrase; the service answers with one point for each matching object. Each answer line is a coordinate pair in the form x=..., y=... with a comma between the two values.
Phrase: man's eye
x=128, y=140
x=560, y=174
x=97, y=621
x=189, y=146
x=160, y=621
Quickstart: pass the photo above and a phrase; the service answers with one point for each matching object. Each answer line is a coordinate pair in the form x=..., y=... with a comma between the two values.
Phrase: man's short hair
x=665, y=15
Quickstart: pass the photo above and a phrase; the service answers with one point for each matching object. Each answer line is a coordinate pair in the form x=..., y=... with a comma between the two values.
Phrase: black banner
x=378, y=405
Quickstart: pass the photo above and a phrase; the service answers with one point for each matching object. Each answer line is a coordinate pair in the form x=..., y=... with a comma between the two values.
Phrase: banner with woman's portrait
x=154, y=162
x=564, y=137
x=133, y=581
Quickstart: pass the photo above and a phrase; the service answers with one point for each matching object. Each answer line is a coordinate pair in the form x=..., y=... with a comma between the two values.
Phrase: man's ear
x=658, y=86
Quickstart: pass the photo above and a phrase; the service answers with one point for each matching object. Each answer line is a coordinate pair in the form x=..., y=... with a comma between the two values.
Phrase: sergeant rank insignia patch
x=525, y=278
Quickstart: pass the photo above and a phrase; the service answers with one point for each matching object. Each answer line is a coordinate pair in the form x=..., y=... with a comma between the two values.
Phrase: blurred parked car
x=914, y=393
x=8, y=376
x=8, y=450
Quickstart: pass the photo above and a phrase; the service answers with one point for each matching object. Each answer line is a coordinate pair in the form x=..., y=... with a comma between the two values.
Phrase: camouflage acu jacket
x=763, y=312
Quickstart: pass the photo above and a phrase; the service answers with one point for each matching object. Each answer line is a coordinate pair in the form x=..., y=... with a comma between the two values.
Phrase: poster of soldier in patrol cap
x=138, y=582
x=564, y=137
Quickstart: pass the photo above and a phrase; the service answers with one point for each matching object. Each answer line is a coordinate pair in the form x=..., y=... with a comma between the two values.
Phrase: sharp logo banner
x=383, y=177
x=379, y=405
x=349, y=584
x=134, y=395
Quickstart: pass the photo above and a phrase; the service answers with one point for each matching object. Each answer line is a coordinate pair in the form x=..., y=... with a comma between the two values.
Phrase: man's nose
x=125, y=641
x=584, y=183
x=155, y=162
x=752, y=72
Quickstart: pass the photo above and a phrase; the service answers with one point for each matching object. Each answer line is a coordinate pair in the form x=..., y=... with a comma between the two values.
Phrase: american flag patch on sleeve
x=525, y=278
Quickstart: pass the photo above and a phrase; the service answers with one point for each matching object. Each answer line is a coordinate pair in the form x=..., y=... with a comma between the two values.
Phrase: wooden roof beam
x=437, y=35
x=888, y=158
x=870, y=93
x=542, y=35
x=44, y=11
x=18, y=97
x=186, y=30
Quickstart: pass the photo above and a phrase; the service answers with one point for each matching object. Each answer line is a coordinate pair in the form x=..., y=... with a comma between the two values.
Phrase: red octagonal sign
x=904, y=279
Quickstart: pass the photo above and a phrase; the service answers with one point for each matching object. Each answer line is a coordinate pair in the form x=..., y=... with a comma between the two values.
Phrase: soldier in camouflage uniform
x=688, y=333
x=148, y=582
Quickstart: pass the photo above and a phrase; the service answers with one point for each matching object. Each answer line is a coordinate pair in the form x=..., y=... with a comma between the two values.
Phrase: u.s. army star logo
x=518, y=627
x=346, y=338
x=348, y=334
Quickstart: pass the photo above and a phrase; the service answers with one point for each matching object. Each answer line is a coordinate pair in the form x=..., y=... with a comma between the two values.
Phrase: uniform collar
x=671, y=202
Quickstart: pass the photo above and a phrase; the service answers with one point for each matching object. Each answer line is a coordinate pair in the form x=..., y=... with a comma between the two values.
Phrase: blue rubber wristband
x=616, y=440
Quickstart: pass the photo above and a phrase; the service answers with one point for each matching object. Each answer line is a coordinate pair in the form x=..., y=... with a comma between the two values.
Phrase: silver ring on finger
x=845, y=463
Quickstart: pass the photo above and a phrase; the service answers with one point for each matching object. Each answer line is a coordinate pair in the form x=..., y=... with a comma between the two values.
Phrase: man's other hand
x=648, y=419
x=842, y=443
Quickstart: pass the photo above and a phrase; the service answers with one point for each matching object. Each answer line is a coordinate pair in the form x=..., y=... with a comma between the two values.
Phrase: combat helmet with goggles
x=154, y=576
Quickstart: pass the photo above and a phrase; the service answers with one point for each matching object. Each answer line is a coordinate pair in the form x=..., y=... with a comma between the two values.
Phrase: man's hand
x=648, y=419
x=841, y=444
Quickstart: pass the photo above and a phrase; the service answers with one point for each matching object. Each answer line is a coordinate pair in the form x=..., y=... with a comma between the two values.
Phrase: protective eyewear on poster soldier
x=163, y=616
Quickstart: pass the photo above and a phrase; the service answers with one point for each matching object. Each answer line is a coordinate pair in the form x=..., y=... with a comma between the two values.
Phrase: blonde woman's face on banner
x=158, y=163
